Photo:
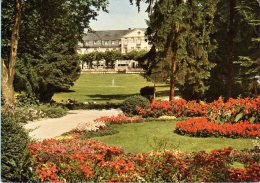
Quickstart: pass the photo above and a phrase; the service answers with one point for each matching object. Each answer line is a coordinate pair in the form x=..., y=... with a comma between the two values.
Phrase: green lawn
x=98, y=88
x=159, y=135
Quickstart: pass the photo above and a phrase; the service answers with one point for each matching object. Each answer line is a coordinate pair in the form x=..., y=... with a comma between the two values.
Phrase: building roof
x=108, y=34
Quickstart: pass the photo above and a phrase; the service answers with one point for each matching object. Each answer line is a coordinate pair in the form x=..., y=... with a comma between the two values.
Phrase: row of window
x=104, y=42
x=113, y=42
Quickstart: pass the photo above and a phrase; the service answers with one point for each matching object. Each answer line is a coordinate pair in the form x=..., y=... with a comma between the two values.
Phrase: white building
x=108, y=40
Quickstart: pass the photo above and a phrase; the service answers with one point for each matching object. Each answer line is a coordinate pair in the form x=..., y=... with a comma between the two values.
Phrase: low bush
x=74, y=160
x=148, y=92
x=15, y=157
x=25, y=100
x=35, y=112
x=50, y=111
x=202, y=127
x=129, y=106
x=91, y=105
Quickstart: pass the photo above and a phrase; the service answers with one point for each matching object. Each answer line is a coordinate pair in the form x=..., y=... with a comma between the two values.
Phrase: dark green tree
x=237, y=55
x=49, y=34
x=180, y=34
x=10, y=31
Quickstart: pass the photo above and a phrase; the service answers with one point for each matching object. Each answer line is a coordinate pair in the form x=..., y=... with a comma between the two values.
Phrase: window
x=138, y=32
x=95, y=42
x=113, y=42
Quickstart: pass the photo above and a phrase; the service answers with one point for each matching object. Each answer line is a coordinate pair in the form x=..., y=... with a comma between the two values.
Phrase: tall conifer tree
x=180, y=31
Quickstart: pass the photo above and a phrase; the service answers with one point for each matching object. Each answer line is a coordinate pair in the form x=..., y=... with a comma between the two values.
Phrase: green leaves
x=239, y=116
x=49, y=34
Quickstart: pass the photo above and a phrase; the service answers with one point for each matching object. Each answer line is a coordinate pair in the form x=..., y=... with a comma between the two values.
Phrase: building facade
x=114, y=40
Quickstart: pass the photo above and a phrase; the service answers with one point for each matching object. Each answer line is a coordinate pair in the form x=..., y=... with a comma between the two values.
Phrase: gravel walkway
x=50, y=128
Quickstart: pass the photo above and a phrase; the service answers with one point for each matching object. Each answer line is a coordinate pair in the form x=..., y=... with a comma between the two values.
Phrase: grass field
x=159, y=135
x=99, y=88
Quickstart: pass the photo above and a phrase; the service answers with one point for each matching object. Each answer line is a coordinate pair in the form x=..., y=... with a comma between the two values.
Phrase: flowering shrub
x=203, y=128
x=72, y=160
x=234, y=110
x=120, y=119
x=176, y=107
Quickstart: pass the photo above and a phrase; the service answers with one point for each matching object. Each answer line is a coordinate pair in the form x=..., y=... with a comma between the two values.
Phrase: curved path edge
x=53, y=127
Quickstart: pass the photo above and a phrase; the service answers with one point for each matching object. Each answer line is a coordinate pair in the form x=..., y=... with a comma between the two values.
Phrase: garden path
x=50, y=128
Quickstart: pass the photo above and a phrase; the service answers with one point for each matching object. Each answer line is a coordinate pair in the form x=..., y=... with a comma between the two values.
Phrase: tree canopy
x=180, y=34
x=49, y=33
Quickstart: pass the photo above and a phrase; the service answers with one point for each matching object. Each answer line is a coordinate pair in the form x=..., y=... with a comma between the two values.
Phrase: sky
x=121, y=15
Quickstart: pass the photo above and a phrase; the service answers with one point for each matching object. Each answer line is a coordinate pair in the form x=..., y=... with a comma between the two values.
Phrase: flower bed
x=73, y=160
x=234, y=110
x=202, y=127
x=120, y=119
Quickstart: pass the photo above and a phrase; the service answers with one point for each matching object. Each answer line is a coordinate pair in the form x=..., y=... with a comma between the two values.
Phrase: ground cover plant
x=28, y=108
x=99, y=88
x=74, y=160
x=35, y=112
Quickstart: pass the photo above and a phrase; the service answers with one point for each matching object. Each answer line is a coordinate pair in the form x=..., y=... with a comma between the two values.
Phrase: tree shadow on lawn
x=65, y=91
x=109, y=97
x=165, y=93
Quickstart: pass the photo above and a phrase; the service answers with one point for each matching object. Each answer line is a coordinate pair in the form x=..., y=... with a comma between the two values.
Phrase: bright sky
x=121, y=15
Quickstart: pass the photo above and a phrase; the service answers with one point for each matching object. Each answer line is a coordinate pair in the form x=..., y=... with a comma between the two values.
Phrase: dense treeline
x=205, y=48
x=110, y=57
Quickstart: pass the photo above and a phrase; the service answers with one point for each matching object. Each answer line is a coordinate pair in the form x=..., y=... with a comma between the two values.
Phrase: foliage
x=92, y=105
x=130, y=104
x=236, y=57
x=49, y=34
x=234, y=110
x=15, y=157
x=175, y=107
x=25, y=100
x=180, y=34
x=89, y=160
x=148, y=92
x=119, y=119
x=34, y=112
x=110, y=57
x=51, y=111
x=202, y=127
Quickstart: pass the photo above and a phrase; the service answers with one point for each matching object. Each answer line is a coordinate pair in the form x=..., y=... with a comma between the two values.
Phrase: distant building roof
x=107, y=34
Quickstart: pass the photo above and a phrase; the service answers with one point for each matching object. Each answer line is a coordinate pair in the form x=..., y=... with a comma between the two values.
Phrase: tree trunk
x=171, y=56
x=8, y=70
x=230, y=74
x=171, y=89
